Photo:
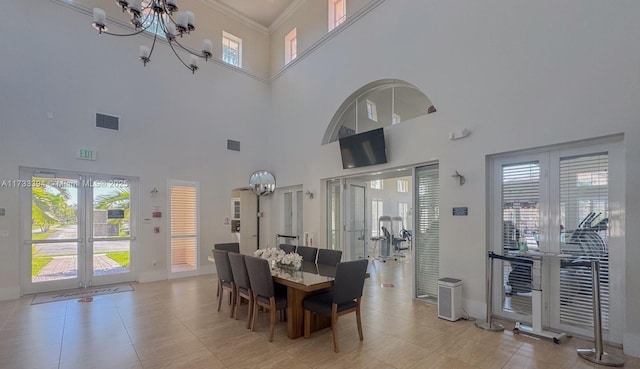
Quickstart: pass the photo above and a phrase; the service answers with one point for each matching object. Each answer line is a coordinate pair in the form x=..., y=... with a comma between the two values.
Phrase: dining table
x=311, y=279
x=308, y=280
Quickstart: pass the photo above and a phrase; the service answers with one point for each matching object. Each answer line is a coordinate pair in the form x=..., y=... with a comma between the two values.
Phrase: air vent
x=107, y=121
x=233, y=145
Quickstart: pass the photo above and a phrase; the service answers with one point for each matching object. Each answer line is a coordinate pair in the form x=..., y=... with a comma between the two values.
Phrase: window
x=377, y=104
x=372, y=113
x=290, y=46
x=376, y=184
x=231, y=49
x=426, y=237
x=403, y=185
x=150, y=22
x=183, y=222
x=377, y=210
x=337, y=13
x=403, y=211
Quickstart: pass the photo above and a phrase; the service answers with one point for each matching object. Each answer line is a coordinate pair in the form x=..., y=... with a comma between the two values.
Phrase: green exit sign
x=86, y=154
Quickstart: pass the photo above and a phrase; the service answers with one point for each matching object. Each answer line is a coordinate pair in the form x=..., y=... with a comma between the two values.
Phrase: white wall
x=174, y=125
x=518, y=74
x=311, y=21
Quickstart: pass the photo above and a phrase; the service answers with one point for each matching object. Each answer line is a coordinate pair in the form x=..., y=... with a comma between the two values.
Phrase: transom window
x=378, y=104
x=232, y=49
x=376, y=184
x=337, y=13
x=403, y=185
x=290, y=46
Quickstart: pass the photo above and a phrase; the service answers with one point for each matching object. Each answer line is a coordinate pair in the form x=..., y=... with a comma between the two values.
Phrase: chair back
x=349, y=280
x=307, y=253
x=231, y=246
x=222, y=265
x=239, y=270
x=259, y=276
x=329, y=257
x=287, y=248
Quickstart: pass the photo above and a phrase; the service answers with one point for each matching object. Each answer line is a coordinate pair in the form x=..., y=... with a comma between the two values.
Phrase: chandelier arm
x=153, y=45
x=188, y=50
x=124, y=34
x=178, y=56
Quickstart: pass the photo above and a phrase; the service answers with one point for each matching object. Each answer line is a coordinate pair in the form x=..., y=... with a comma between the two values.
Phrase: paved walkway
x=62, y=267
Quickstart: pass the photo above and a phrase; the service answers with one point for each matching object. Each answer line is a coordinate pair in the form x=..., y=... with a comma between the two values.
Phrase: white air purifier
x=449, y=299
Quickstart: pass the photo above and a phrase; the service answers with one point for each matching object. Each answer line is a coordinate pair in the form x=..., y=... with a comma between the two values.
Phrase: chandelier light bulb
x=135, y=7
x=207, y=48
x=144, y=54
x=193, y=63
x=191, y=20
x=99, y=19
x=172, y=5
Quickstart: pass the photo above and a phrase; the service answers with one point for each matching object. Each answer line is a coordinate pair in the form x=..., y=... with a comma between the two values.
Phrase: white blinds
x=333, y=215
x=426, y=236
x=184, y=227
x=520, y=215
x=584, y=214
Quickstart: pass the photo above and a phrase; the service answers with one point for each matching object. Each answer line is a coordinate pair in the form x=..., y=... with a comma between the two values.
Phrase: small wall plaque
x=461, y=211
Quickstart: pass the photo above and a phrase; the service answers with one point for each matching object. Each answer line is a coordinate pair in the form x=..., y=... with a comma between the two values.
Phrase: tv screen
x=362, y=149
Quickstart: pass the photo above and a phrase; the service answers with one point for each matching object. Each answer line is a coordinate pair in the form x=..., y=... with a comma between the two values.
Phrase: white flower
x=292, y=259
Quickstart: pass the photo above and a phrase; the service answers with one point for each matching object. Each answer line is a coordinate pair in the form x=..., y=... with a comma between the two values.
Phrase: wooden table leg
x=295, y=314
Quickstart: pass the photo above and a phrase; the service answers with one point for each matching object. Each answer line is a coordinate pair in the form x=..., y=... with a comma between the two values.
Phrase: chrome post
x=597, y=354
x=488, y=324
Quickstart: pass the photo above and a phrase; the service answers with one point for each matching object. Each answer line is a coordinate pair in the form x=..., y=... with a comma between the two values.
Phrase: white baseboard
x=152, y=276
x=631, y=344
x=9, y=293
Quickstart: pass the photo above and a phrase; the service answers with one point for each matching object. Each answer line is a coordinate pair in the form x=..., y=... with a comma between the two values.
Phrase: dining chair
x=225, y=277
x=287, y=248
x=344, y=298
x=241, y=281
x=264, y=293
x=329, y=257
x=307, y=253
x=230, y=246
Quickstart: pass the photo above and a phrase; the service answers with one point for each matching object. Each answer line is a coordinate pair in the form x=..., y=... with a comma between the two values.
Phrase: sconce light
x=310, y=194
x=459, y=134
x=154, y=192
x=460, y=178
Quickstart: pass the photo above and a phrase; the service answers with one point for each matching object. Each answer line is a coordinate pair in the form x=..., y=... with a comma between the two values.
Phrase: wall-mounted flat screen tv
x=362, y=149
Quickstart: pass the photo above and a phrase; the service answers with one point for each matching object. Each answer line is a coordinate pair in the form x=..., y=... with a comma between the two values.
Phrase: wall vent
x=233, y=145
x=107, y=121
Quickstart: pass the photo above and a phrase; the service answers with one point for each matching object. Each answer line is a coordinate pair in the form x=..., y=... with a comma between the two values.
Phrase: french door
x=346, y=218
x=78, y=229
x=564, y=201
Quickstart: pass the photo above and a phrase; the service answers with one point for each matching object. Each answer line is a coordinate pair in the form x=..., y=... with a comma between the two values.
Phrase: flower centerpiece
x=276, y=256
x=271, y=254
x=291, y=260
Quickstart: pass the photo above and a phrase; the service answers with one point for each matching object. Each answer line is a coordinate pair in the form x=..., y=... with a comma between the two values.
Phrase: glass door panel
x=53, y=234
x=111, y=225
x=356, y=221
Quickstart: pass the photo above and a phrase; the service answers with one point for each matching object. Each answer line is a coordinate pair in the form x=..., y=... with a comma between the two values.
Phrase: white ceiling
x=263, y=12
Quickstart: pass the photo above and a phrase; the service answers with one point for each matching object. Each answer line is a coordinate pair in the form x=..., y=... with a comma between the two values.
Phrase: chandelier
x=162, y=18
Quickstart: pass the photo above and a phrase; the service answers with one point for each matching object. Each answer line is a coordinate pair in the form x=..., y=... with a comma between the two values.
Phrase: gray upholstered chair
x=241, y=281
x=307, y=253
x=329, y=257
x=264, y=293
x=230, y=246
x=287, y=248
x=344, y=298
x=225, y=277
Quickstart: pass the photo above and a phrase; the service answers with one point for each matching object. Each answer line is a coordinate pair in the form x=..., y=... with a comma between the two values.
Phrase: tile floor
x=174, y=324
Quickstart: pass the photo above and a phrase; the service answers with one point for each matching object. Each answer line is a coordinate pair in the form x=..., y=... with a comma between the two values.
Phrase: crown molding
x=285, y=15
x=229, y=11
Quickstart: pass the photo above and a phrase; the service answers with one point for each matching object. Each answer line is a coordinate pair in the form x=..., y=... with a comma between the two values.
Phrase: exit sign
x=86, y=154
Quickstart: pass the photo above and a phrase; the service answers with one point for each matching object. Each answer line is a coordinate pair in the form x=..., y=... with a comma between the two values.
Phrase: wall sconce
x=459, y=177
x=459, y=134
x=310, y=194
x=154, y=193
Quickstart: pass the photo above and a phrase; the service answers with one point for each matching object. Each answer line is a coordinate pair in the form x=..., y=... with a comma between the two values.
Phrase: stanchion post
x=488, y=323
x=597, y=354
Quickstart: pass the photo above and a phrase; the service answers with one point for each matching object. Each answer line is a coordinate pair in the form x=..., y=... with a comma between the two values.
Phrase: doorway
x=78, y=229
x=561, y=201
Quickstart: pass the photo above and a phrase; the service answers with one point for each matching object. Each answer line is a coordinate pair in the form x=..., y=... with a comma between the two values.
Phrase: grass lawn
x=38, y=261
x=121, y=257
x=42, y=235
